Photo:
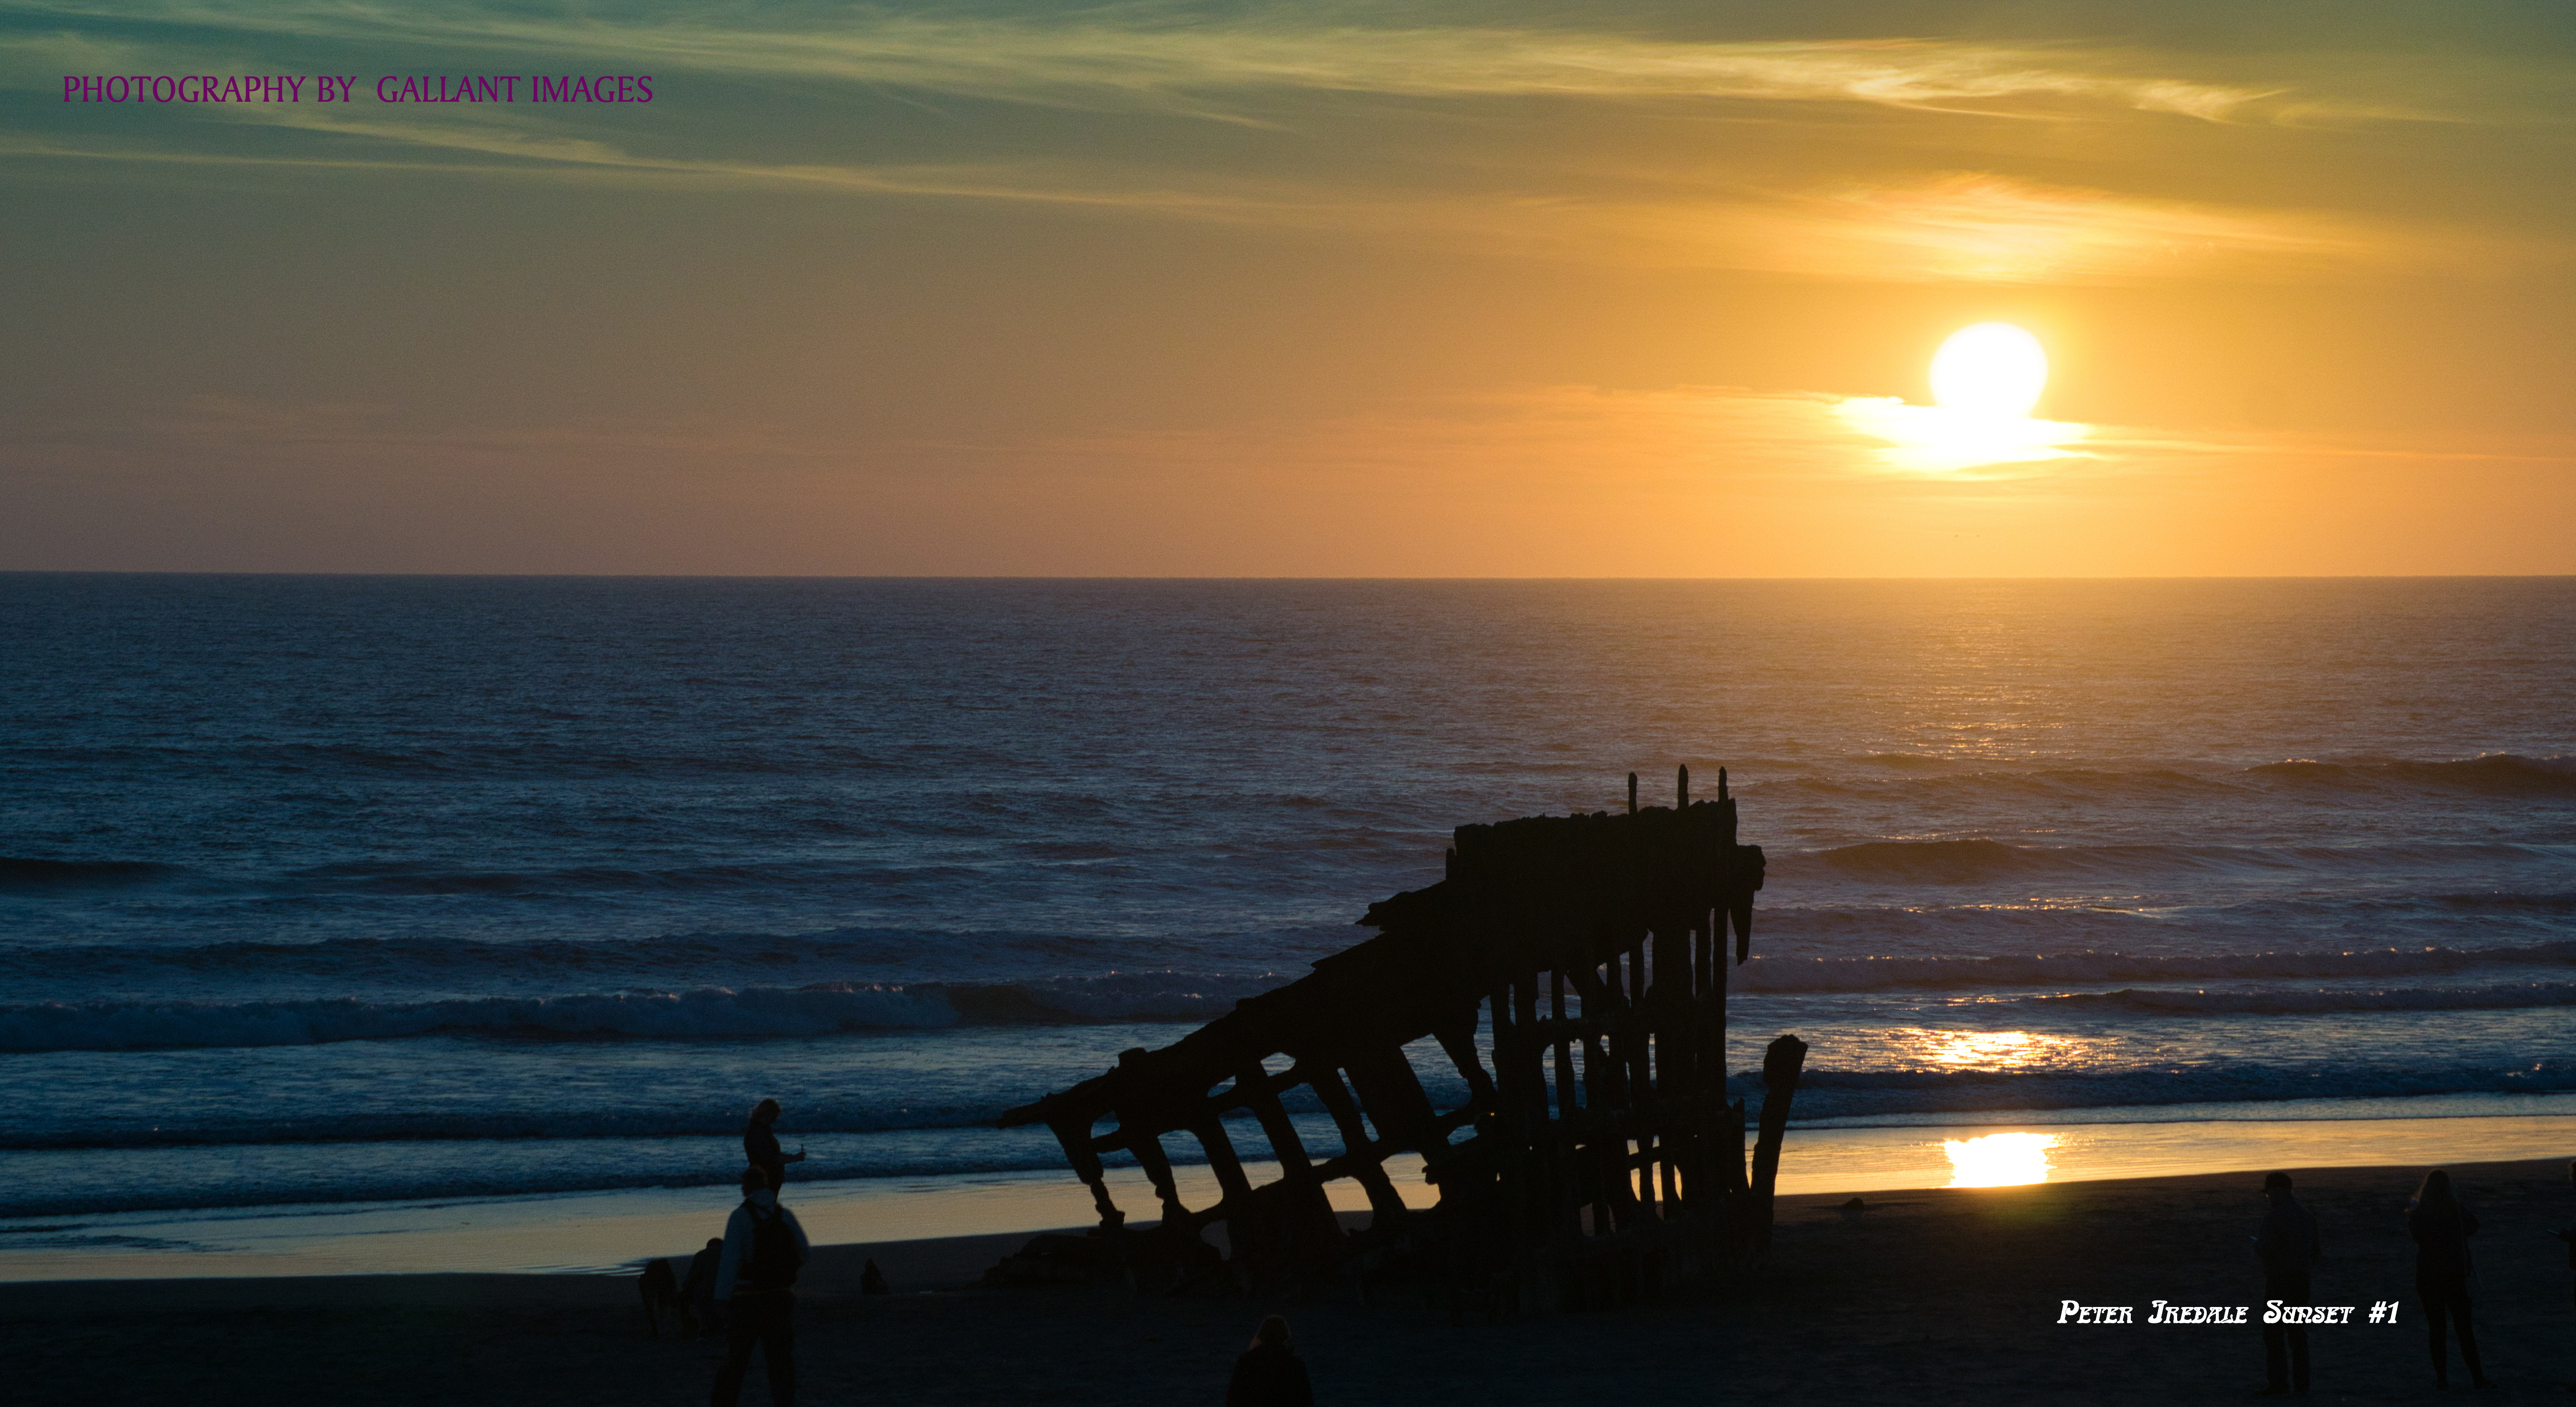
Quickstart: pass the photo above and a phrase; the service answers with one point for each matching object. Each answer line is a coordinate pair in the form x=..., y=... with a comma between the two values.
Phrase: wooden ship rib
x=1573, y=969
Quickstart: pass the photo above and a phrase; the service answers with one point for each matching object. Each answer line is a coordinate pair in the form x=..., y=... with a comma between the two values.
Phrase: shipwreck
x=1573, y=970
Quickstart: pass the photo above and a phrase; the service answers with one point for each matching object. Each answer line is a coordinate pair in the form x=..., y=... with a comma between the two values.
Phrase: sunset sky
x=1297, y=289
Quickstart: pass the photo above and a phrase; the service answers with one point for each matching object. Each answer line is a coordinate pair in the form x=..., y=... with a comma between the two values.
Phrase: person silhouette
x=2568, y=1233
x=2288, y=1247
x=764, y=1248
x=760, y=1144
x=1269, y=1373
x=698, y=1291
x=2442, y=1227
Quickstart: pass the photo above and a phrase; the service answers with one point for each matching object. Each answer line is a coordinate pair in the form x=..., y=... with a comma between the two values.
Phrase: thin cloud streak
x=557, y=158
x=1704, y=435
x=1572, y=435
x=1980, y=227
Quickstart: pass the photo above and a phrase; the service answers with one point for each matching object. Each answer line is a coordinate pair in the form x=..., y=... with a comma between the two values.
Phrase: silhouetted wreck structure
x=1573, y=970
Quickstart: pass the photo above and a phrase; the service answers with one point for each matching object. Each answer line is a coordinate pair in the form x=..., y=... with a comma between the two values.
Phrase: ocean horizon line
x=231, y=573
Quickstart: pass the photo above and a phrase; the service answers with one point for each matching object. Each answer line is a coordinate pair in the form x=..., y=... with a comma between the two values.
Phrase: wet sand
x=1927, y=1296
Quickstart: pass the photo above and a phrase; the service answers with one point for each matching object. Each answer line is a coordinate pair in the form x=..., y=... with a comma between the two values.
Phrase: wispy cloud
x=1161, y=56
x=1967, y=227
x=1956, y=227
x=1964, y=226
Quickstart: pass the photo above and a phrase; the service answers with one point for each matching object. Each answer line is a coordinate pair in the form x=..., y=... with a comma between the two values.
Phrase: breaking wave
x=908, y=1137
x=546, y=966
x=2161, y=1002
x=2496, y=774
x=818, y=1009
x=1980, y=861
x=1786, y=975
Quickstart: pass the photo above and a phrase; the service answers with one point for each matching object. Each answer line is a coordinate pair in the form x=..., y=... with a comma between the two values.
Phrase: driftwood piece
x=1781, y=1062
x=1573, y=969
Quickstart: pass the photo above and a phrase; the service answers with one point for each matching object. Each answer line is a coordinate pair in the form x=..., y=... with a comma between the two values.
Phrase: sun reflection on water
x=1999, y=1159
x=1987, y=1048
x=1991, y=1050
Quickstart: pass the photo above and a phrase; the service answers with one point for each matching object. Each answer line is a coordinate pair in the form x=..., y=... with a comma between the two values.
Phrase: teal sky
x=1311, y=289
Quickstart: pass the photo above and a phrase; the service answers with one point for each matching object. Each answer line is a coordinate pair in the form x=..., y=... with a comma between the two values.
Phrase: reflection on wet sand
x=1999, y=1159
x=2090, y=1144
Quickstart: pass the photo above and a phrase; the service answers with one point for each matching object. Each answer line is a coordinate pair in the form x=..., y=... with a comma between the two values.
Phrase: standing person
x=764, y=1247
x=1269, y=1374
x=760, y=1144
x=2288, y=1247
x=2442, y=1228
x=2568, y=1234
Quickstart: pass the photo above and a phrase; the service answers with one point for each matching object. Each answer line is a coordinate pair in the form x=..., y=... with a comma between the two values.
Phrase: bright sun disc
x=1992, y=369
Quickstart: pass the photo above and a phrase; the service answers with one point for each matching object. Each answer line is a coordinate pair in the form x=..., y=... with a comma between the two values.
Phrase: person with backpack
x=764, y=1247
x=2568, y=1233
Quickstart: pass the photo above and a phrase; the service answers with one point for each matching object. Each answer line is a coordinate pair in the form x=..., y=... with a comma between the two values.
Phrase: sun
x=1993, y=369
x=1986, y=380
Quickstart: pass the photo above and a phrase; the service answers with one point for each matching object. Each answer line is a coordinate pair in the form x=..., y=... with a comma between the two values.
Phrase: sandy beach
x=1944, y=1295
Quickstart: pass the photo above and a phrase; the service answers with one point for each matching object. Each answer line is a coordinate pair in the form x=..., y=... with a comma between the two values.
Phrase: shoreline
x=591, y=1233
x=1940, y=1295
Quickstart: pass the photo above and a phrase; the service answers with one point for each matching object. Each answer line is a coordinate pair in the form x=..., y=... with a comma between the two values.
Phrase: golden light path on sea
x=1988, y=1050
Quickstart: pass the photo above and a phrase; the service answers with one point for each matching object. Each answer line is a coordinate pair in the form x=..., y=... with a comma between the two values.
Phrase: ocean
x=329, y=890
